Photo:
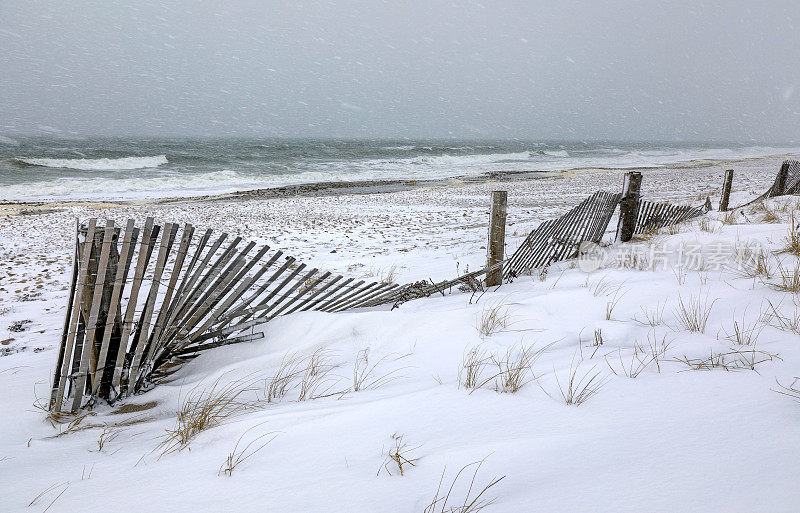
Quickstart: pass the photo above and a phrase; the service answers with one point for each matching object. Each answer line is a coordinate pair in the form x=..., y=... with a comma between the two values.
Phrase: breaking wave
x=98, y=164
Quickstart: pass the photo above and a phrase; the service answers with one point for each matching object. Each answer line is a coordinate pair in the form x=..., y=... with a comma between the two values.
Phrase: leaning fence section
x=787, y=181
x=789, y=185
x=559, y=239
x=653, y=216
x=141, y=295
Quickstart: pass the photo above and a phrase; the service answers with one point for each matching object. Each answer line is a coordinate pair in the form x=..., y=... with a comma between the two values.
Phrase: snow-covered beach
x=657, y=436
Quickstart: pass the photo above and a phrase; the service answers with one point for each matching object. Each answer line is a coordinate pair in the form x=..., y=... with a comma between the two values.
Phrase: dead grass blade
x=493, y=318
x=238, y=456
x=579, y=388
x=791, y=390
x=365, y=376
x=472, y=503
x=399, y=454
x=692, y=315
x=790, y=279
x=205, y=408
x=733, y=360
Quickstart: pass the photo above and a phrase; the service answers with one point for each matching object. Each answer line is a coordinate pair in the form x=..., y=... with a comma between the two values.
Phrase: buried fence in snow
x=786, y=182
x=139, y=303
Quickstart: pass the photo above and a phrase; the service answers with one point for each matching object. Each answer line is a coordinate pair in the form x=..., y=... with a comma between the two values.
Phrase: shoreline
x=364, y=187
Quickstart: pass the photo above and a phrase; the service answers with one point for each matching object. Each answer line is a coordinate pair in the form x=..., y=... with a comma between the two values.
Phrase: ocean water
x=37, y=169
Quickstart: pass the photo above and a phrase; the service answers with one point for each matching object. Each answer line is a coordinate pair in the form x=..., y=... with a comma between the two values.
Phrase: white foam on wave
x=98, y=164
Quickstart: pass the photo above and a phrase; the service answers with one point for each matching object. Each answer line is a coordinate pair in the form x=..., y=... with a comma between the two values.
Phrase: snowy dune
x=669, y=439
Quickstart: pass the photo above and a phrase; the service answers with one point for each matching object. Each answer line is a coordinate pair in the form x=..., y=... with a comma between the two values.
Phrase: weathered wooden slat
x=223, y=275
x=358, y=299
x=316, y=303
x=369, y=298
x=226, y=342
x=204, y=283
x=114, y=305
x=177, y=267
x=306, y=289
x=343, y=291
x=236, y=294
x=304, y=285
x=181, y=301
x=142, y=332
x=65, y=331
x=182, y=338
x=539, y=252
x=242, y=308
x=246, y=313
x=339, y=301
x=201, y=312
x=523, y=259
x=265, y=306
x=192, y=299
x=187, y=275
x=94, y=312
x=540, y=255
x=320, y=290
x=387, y=296
x=76, y=305
x=149, y=236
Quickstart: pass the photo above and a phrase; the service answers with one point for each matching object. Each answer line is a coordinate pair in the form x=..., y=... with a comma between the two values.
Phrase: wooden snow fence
x=560, y=239
x=140, y=296
x=786, y=182
x=653, y=216
x=144, y=296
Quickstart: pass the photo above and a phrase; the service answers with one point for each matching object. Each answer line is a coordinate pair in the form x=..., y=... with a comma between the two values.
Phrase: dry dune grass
x=399, y=455
x=493, y=318
x=789, y=279
x=510, y=371
x=474, y=499
x=692, y=314
x=204, y=408
x=579, y=387
x=735, y=359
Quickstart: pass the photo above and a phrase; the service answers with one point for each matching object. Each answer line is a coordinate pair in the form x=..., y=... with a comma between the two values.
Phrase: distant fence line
x=138, y=302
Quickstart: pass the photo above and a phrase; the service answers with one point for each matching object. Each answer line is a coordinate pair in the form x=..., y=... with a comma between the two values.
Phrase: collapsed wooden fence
x=560, y=239
x=142, y=297
x=653, y=216
x=786, y=182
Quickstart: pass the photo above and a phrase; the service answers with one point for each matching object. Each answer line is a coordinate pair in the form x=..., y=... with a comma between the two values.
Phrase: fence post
x=629, y=205
x=726, y=191
x=497, y=237
x=780, y=181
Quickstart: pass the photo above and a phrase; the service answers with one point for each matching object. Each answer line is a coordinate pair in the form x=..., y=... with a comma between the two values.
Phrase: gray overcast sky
x=686, y=71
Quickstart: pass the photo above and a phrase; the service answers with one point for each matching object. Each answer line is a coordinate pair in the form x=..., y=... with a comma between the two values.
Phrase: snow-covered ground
x=667, y=429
